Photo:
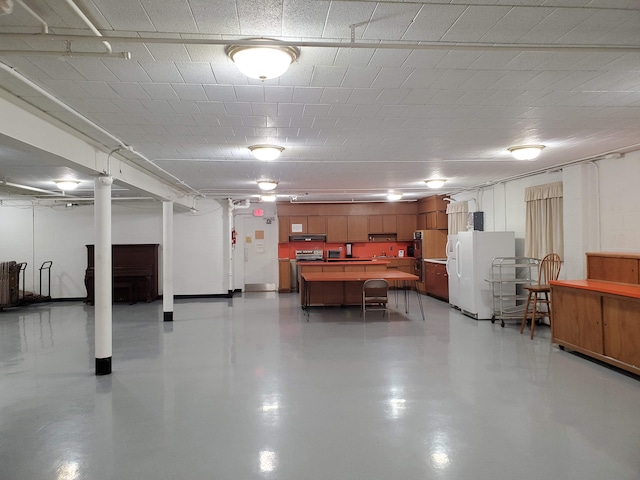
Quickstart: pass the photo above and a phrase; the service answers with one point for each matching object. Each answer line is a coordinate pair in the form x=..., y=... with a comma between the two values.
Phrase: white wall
x=33, y=232
x=601, y=208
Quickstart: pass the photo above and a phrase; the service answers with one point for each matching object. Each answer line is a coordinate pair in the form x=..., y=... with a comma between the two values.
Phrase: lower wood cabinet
x=599, y=325
x=436, y=280
x=284, y=275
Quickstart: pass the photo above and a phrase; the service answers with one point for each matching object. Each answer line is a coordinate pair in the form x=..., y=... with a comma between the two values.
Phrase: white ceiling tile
x=220, y=93
x=130, y=106
x=387, y=57
x=328, y=76
x=182, y=120
x=392, y=111
x=238, y=108
x=335, y=95
x=324, y=122
x=517, y=22
x=341, y=110
x=91, y=70
x=168, y=53
x=290, y=109
x=366, y=110
x=307, y=94
x=475, y=22
x=260, y=17
x=451, y=79
x=350, y=57
x=343, y=14
x=359, y=77
x=213, y=108
x=184, y=108
x=303, y=18
x=254, y=121
x=216, y=16
x=130, y=90
x=278, y=122
x=422, y=78
x=164, y=72
x=311, y=110
x=127, y=71
x=424, y=58
x=364, y=95
x=249, y=93
x=391, y=77
x=556, y=24
x=196, y=72
x=157, y=106
x=231, y=121
x=190, y=92
x=278, y=94
x=159, y=91
x=390, y=21
x=297, y=76
x=228, y=74
x=458, y=59
x=265, y=109
x=432, y=22
x=64, y=88
x=180, y=20
x=126, y=15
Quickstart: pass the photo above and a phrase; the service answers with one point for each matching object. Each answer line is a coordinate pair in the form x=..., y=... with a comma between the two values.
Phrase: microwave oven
x=333, y=253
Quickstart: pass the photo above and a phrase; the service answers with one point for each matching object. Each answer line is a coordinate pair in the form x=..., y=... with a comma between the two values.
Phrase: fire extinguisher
x=234, y=234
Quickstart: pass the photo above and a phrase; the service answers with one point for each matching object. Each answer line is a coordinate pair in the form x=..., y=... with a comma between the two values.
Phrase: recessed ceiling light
x=266, y=152
x=526, y=152
x=66, y=185
x=435, y=182
x=267, y=184
x=392, y=196
x=262, y=61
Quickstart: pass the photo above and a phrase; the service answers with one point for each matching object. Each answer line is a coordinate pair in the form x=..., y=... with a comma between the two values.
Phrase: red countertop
x=611, y=288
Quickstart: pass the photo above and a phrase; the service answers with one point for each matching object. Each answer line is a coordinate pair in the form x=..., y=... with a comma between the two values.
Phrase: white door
x=260, y=252
x=452, y=267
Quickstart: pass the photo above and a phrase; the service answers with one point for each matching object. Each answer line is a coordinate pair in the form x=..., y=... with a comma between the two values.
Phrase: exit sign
x=258, y=212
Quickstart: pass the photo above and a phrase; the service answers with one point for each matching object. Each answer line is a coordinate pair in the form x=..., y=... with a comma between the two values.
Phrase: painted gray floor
x=248, y=389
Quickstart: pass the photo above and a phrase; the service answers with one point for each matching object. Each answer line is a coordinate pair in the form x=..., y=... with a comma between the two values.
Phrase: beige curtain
x=544, y=232
x=457, y=213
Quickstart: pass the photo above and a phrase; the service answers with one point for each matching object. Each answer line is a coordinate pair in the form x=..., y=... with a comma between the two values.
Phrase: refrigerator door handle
x=458, y=259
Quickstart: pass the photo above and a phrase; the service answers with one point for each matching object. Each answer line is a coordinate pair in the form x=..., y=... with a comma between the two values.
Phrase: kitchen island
x=337, y=293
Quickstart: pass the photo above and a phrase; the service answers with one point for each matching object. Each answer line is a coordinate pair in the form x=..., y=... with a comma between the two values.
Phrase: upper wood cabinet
x=317, y=224
x=337, y=229
x=383, y=224
x=406, y=227
x=357, y=228
x=437, y=221
x=298, y=221
x=283, y=229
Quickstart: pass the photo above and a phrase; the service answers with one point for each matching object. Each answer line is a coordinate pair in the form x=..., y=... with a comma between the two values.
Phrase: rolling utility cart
x=508, y=275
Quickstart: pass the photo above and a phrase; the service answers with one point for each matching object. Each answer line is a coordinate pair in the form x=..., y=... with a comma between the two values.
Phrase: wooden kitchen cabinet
x=437, y=221
x=621, y=329
x=436, y=280
x=357, y=228
x=317, y=224
x=283, y=229
x=298, y=221
x=284, y=275
x=337, y=229
x=406, y=226
x=613, y=267
x=383, y=224
x=577, y=318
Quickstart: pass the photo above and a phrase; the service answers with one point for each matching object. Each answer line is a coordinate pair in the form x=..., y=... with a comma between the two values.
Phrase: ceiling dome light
x=266, y=152
x=267, y=185
x=526, y=152
x=66, y=185
x=262, y=61
x=435, y=183
x=268, y=198
x=391, y=196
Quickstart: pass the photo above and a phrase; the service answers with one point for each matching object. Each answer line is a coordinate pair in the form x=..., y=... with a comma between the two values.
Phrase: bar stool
x=539, y=293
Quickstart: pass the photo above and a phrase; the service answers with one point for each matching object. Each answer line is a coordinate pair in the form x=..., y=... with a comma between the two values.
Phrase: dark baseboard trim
x=103, y=366
x=229, y=294
x=168, y=316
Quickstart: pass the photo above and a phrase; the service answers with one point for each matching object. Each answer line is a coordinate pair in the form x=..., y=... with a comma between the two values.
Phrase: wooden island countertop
x=342, y=261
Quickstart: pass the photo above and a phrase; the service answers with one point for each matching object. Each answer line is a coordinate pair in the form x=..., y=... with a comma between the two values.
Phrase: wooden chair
x=548, y=270
x=375, y=296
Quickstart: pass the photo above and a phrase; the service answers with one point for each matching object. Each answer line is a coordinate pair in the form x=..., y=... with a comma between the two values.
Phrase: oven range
x=309, y=255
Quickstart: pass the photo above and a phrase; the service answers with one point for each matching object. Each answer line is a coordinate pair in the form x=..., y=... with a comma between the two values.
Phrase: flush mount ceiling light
x=66, y=185
x=435, y=183
x=526, y=152
x=268, y=198
x=267, y=185
x=262, y=61
x=266, y=152
x=392, y=196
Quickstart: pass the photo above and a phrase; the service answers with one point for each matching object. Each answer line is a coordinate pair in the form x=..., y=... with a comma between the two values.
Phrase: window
x=544, y=231
x=457, y=217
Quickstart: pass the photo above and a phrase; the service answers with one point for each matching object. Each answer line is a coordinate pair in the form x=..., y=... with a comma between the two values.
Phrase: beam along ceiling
x=426, y=89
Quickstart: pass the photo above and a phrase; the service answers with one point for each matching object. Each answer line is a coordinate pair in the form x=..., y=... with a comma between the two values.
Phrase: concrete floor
x=248, y=389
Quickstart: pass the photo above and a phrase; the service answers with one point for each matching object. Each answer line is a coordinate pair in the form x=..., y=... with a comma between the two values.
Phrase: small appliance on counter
x=309, y=255
x=349, y=250
x=333, y=253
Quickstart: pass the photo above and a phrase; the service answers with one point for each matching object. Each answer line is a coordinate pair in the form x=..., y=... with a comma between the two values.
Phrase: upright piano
x=134, y=273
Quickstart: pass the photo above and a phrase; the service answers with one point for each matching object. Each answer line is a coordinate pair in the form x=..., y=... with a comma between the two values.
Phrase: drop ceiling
x=383, y=96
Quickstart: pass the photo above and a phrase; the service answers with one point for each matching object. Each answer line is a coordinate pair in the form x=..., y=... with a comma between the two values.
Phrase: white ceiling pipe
x=333, y=44
x=49, y=53
x=45, y=27
x=88, y=22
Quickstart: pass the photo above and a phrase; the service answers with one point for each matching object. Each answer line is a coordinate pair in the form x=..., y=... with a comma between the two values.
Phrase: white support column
x=102, y=275
x=167, y=261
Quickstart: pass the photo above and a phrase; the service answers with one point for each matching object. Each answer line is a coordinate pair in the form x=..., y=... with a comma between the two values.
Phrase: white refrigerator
x=472, y=255
x=451, y=270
